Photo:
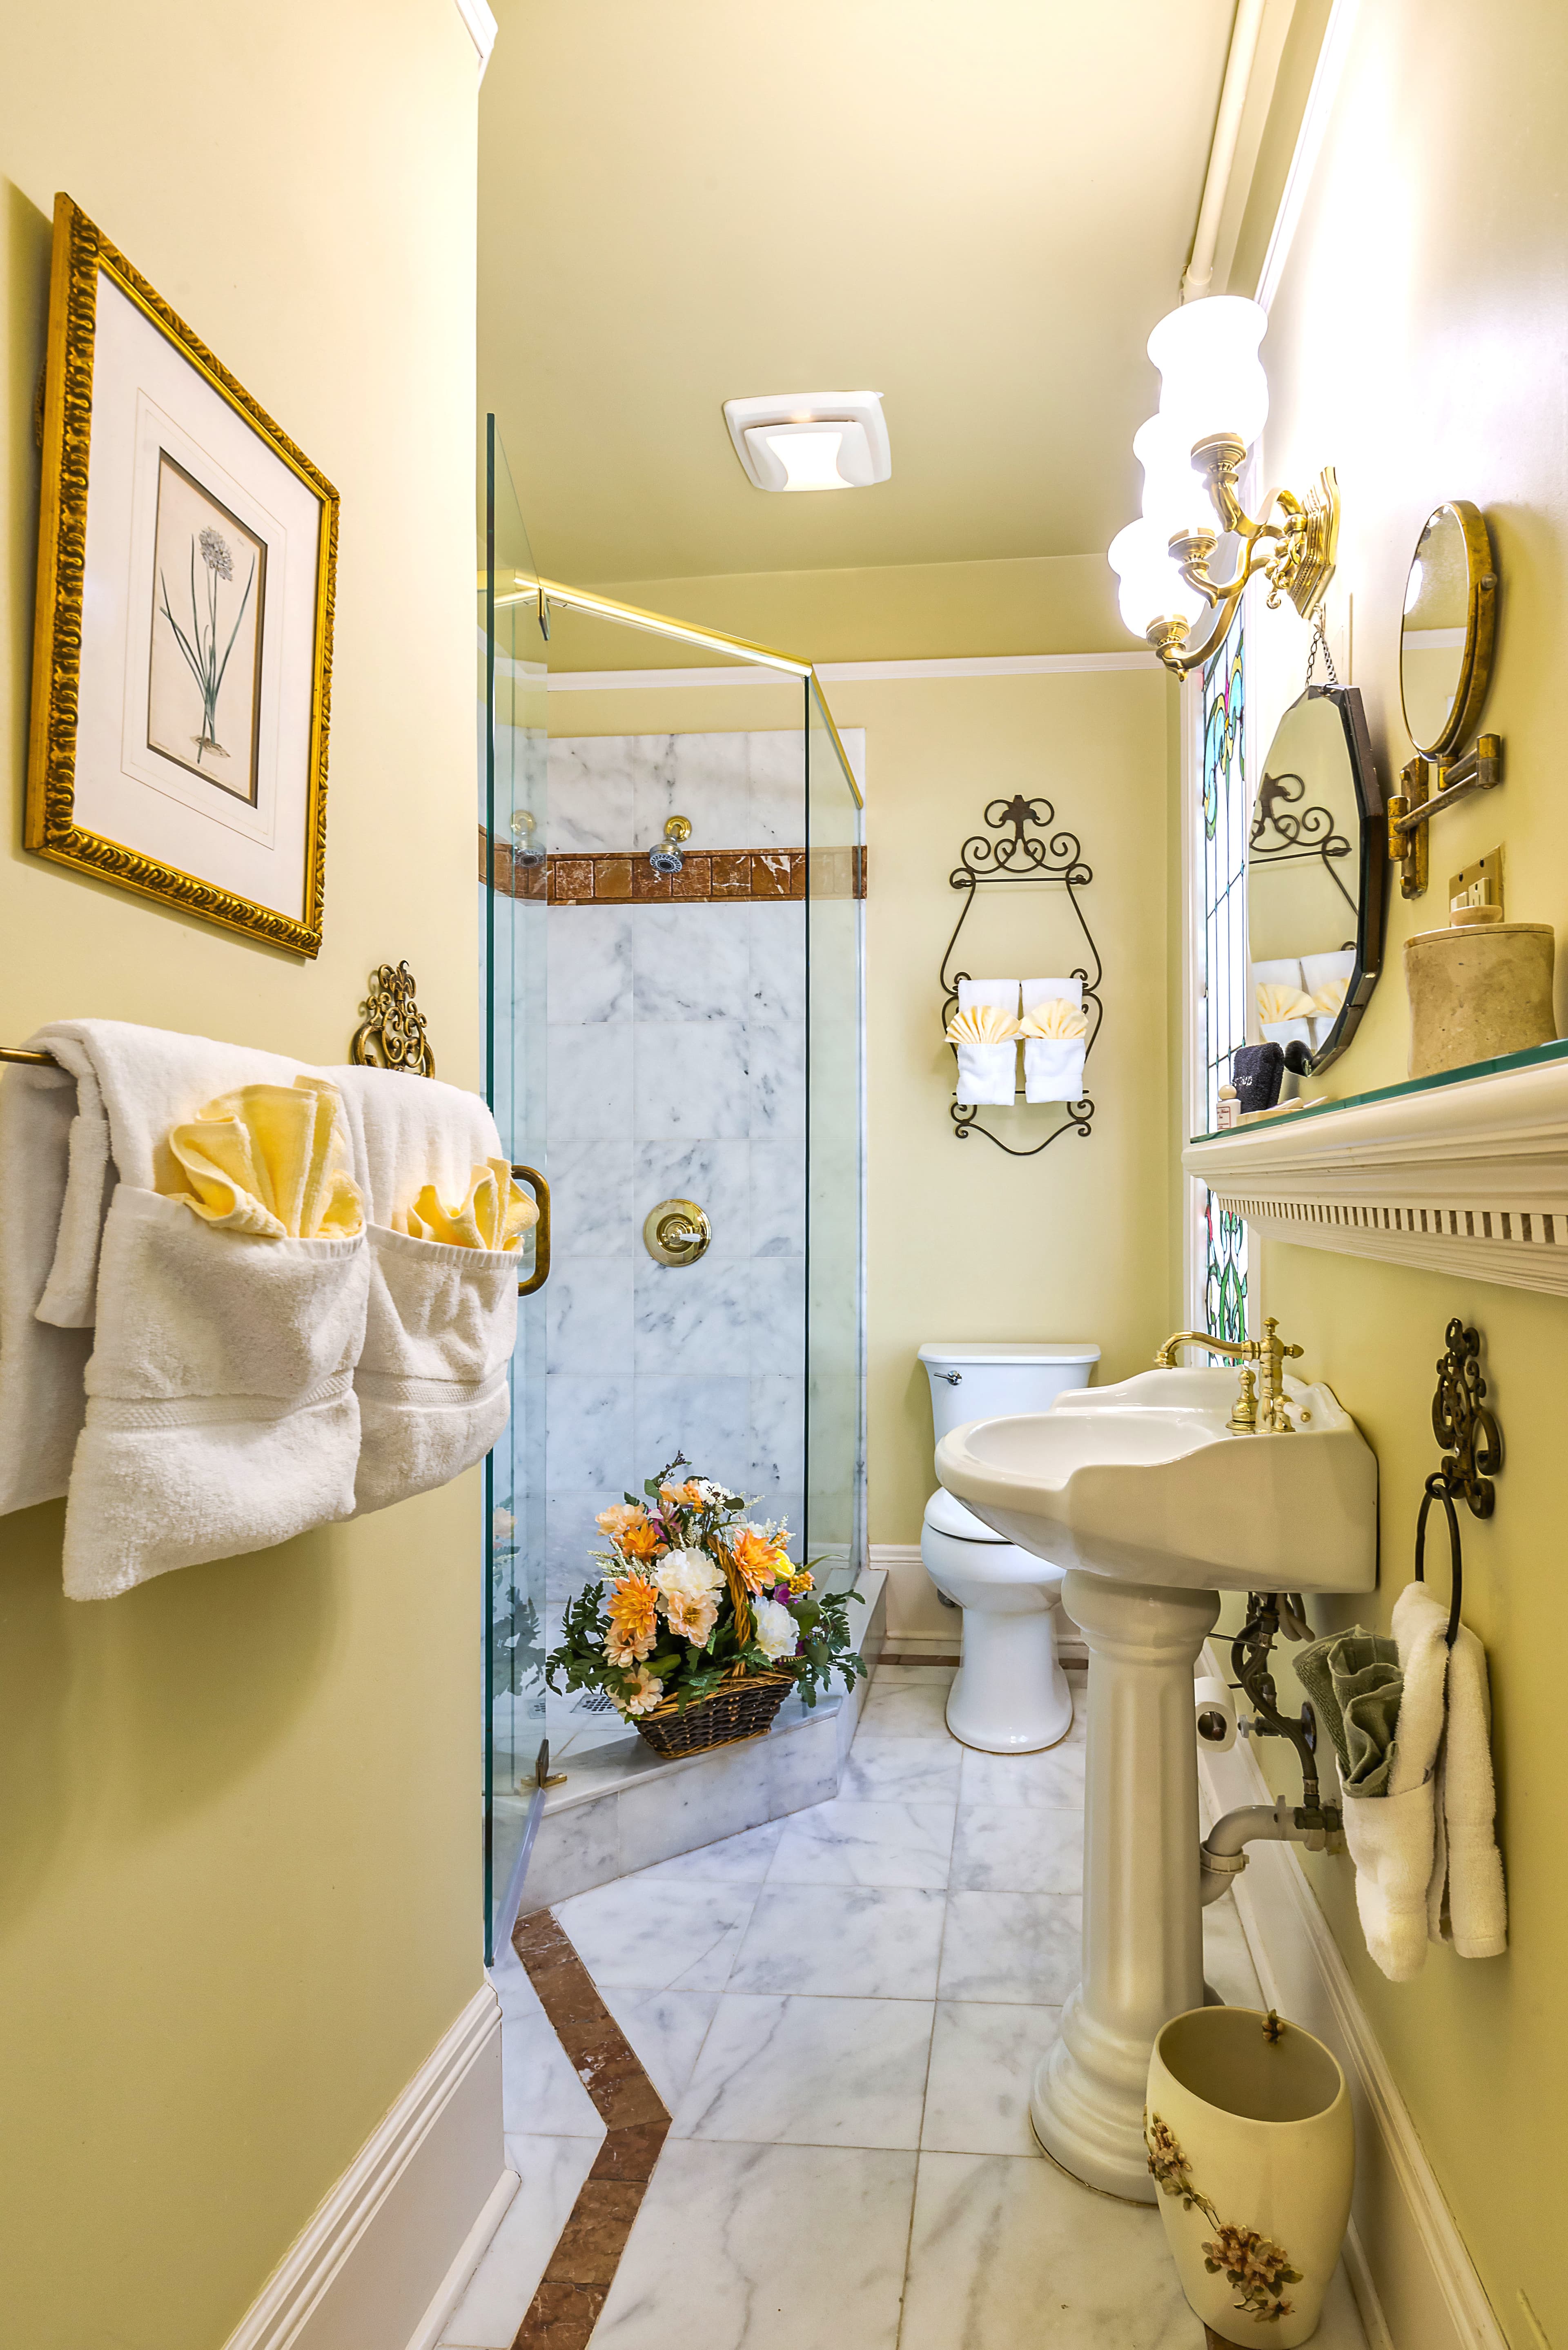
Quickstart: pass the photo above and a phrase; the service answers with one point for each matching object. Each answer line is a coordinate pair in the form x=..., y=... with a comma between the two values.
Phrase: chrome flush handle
x=953, y=1378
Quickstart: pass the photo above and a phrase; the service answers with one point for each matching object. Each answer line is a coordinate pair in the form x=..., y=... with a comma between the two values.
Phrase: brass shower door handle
x=541, y=1190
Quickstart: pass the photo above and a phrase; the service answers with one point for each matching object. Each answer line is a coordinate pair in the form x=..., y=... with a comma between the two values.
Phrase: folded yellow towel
x=1276, y=1001
x=1330, y=997
x=495, y=1213
x=272, y=1160
x=982, y=1024
x=1055, y=1017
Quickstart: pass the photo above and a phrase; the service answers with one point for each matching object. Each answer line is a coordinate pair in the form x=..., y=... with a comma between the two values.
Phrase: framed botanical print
x=183, y=653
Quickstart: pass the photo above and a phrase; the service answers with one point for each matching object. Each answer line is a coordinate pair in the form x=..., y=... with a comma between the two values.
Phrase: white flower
x=687, y=1575
x=644, y=1698
x=713, y=1497
x=776, y=1633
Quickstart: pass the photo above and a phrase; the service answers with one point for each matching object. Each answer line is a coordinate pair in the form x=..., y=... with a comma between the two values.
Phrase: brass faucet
x=1271, y=1351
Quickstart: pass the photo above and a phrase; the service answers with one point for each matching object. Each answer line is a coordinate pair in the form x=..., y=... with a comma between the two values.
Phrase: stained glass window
x=1222, y=812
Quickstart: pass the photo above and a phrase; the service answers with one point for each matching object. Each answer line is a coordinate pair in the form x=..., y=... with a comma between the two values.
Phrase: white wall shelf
x=1467, y=1172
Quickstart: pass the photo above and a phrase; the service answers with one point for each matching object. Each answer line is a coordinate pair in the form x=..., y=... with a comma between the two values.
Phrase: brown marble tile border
x=715, y=875
x=571, y=2294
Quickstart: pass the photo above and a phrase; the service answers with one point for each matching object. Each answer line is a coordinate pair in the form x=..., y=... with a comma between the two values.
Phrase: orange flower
x=681, y=1497
x=762, y=1562
x=799, y=1583
x=615, y=1521
x=641, y=1541
x=634, y=1622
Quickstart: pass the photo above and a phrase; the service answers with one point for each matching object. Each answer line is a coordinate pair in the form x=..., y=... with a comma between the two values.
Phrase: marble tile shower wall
x=677, y=1069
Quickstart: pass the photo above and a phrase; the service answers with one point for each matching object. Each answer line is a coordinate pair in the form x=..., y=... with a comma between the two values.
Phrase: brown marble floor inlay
x=565, y=2310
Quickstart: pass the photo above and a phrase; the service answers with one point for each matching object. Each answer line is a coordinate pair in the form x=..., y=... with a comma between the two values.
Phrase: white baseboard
x=1414, y=2281
x=386, y=2256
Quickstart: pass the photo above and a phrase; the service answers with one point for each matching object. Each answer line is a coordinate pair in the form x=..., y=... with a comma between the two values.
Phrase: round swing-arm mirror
x=1446, y=636
x=1316, y=859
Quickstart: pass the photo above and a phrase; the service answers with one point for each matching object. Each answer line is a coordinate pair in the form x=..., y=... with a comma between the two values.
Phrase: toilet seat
x=947, y=1516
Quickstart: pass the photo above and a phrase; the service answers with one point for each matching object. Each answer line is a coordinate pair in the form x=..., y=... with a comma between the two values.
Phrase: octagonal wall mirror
x=1446, y=636
x=1316, y=861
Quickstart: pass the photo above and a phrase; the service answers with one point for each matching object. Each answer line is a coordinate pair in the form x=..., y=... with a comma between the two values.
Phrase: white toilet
x=1011, y=1696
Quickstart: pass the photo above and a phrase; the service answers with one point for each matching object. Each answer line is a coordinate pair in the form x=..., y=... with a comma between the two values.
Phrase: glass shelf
x=1538, y=1057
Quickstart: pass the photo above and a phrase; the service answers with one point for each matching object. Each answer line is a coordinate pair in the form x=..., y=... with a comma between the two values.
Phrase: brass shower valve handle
x=1271, y=1353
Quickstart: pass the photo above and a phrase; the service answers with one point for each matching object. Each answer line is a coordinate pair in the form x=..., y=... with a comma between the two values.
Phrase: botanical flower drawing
x=1259, y=2270
x=199, y=644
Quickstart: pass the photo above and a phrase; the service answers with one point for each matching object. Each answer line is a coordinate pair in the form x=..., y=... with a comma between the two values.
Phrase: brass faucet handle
x=1243, y=1420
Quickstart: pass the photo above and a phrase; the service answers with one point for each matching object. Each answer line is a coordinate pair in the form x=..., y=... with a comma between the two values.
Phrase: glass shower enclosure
x=656, y=1033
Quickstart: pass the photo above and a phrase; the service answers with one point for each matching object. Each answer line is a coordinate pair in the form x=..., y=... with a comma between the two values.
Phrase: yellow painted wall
x=964, y=1242
x=239, y=1834
x=1419, y=342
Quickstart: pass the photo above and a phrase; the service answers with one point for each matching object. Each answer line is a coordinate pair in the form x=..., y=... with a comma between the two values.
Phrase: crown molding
x=1467, y=1176
x=481, y=29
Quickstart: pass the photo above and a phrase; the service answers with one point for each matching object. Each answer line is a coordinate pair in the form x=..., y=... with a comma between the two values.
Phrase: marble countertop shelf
x=1463, y=1172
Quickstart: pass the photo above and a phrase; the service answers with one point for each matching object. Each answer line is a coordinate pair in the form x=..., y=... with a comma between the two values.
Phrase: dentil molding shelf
x=1465, y=1172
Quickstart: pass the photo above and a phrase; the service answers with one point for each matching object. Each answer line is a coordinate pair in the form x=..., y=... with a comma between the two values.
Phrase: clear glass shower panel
x=834, y=1333
x=512, y=850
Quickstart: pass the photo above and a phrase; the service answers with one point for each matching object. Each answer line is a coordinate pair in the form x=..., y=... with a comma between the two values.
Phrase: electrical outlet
x=1478, y=889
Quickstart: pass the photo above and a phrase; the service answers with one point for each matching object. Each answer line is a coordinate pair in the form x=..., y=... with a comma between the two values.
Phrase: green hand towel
x=1353, y=1680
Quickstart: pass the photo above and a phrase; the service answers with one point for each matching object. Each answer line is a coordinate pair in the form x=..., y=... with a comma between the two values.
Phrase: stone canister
x=1478, y=994
x=1252, y=2147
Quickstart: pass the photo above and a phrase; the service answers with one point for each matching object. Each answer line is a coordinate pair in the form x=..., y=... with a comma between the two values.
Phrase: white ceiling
x=979, y=209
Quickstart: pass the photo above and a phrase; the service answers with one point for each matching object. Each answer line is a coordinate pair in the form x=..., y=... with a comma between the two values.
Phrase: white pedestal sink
x=1155, y=1508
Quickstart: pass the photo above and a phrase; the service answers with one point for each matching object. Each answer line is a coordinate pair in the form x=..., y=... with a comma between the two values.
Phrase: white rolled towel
x=1053, y=1065
x=987, y=1071
x=1391, y=1836
x=1466, y=1903
x=442, y=1323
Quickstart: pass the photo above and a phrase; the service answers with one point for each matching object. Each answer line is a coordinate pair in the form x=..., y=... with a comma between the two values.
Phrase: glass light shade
x=1175, y=497
x=1152, y=588
x=1211, y=379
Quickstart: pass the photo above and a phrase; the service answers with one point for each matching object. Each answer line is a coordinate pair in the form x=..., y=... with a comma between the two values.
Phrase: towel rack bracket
x=393, y=1032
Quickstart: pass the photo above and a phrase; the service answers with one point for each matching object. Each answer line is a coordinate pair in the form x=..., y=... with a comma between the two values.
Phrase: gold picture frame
x=101, y=762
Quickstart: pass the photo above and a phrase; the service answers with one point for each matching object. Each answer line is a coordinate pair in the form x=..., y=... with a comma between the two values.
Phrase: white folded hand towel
x=66, y=1136
x=987, y=1072
x=442, y=1319
x=1391, y=1836
x=1054, y=1064
x=1466, y=1903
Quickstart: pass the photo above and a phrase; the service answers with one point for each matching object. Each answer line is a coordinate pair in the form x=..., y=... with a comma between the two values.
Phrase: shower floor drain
x=595, y=1701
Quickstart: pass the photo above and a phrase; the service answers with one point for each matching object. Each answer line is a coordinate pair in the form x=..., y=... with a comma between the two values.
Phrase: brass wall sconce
x=1446, y=643
x=1207, y=353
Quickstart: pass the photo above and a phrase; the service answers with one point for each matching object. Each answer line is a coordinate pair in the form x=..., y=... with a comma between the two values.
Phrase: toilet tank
x=975, y=1379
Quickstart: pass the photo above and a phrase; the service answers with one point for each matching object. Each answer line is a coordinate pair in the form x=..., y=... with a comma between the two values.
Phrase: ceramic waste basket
x=1253, y=2151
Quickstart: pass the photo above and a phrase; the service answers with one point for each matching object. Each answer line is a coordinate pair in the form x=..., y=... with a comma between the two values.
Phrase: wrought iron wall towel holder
x=1465, y=1425
x=1037, y=853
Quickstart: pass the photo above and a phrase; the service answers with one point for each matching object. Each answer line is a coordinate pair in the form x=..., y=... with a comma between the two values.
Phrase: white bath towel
x=66, y=1136
x=1053, y=1065
x=987, y=1074
x=442, y=1321
x=1391, y=1836
x=1466, y=1904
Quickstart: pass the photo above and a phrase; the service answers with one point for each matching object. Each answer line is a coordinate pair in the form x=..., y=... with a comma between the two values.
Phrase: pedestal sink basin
x=1142, y=1493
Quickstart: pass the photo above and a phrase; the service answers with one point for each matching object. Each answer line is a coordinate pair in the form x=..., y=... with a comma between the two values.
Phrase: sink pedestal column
x=1143, y=1936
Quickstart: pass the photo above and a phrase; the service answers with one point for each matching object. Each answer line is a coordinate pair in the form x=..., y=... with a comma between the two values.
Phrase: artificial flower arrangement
x=700, y=1613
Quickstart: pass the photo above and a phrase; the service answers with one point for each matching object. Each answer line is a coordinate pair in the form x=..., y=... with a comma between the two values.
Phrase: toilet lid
x=947, y=1516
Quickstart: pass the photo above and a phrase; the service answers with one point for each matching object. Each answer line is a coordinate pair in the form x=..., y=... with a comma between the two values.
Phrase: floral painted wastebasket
x=1252, y=2145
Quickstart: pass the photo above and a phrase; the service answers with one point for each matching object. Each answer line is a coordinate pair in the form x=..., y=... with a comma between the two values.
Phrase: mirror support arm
x=1412, y=810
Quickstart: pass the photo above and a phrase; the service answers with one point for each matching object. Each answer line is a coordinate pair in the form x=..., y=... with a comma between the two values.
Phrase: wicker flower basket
x=743, y=1708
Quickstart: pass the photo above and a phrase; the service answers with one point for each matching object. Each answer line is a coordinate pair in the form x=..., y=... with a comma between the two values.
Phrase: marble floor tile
x=666, y=2028
x=896, y=1711
x=810, y=2072
x=1227, y=1962
x=658, y=1937
x=903, y=1770
x=1052, y=1781
x=1005, y=2251
x=842, y=1941
x=982, y=2068
x=764, y=2248
x=552, y=2170
x=734, y=1860
x=1010, y=1848
x=1012, y=1947
x=541, y=2095
x=895, y=1677
x=850, y=1843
